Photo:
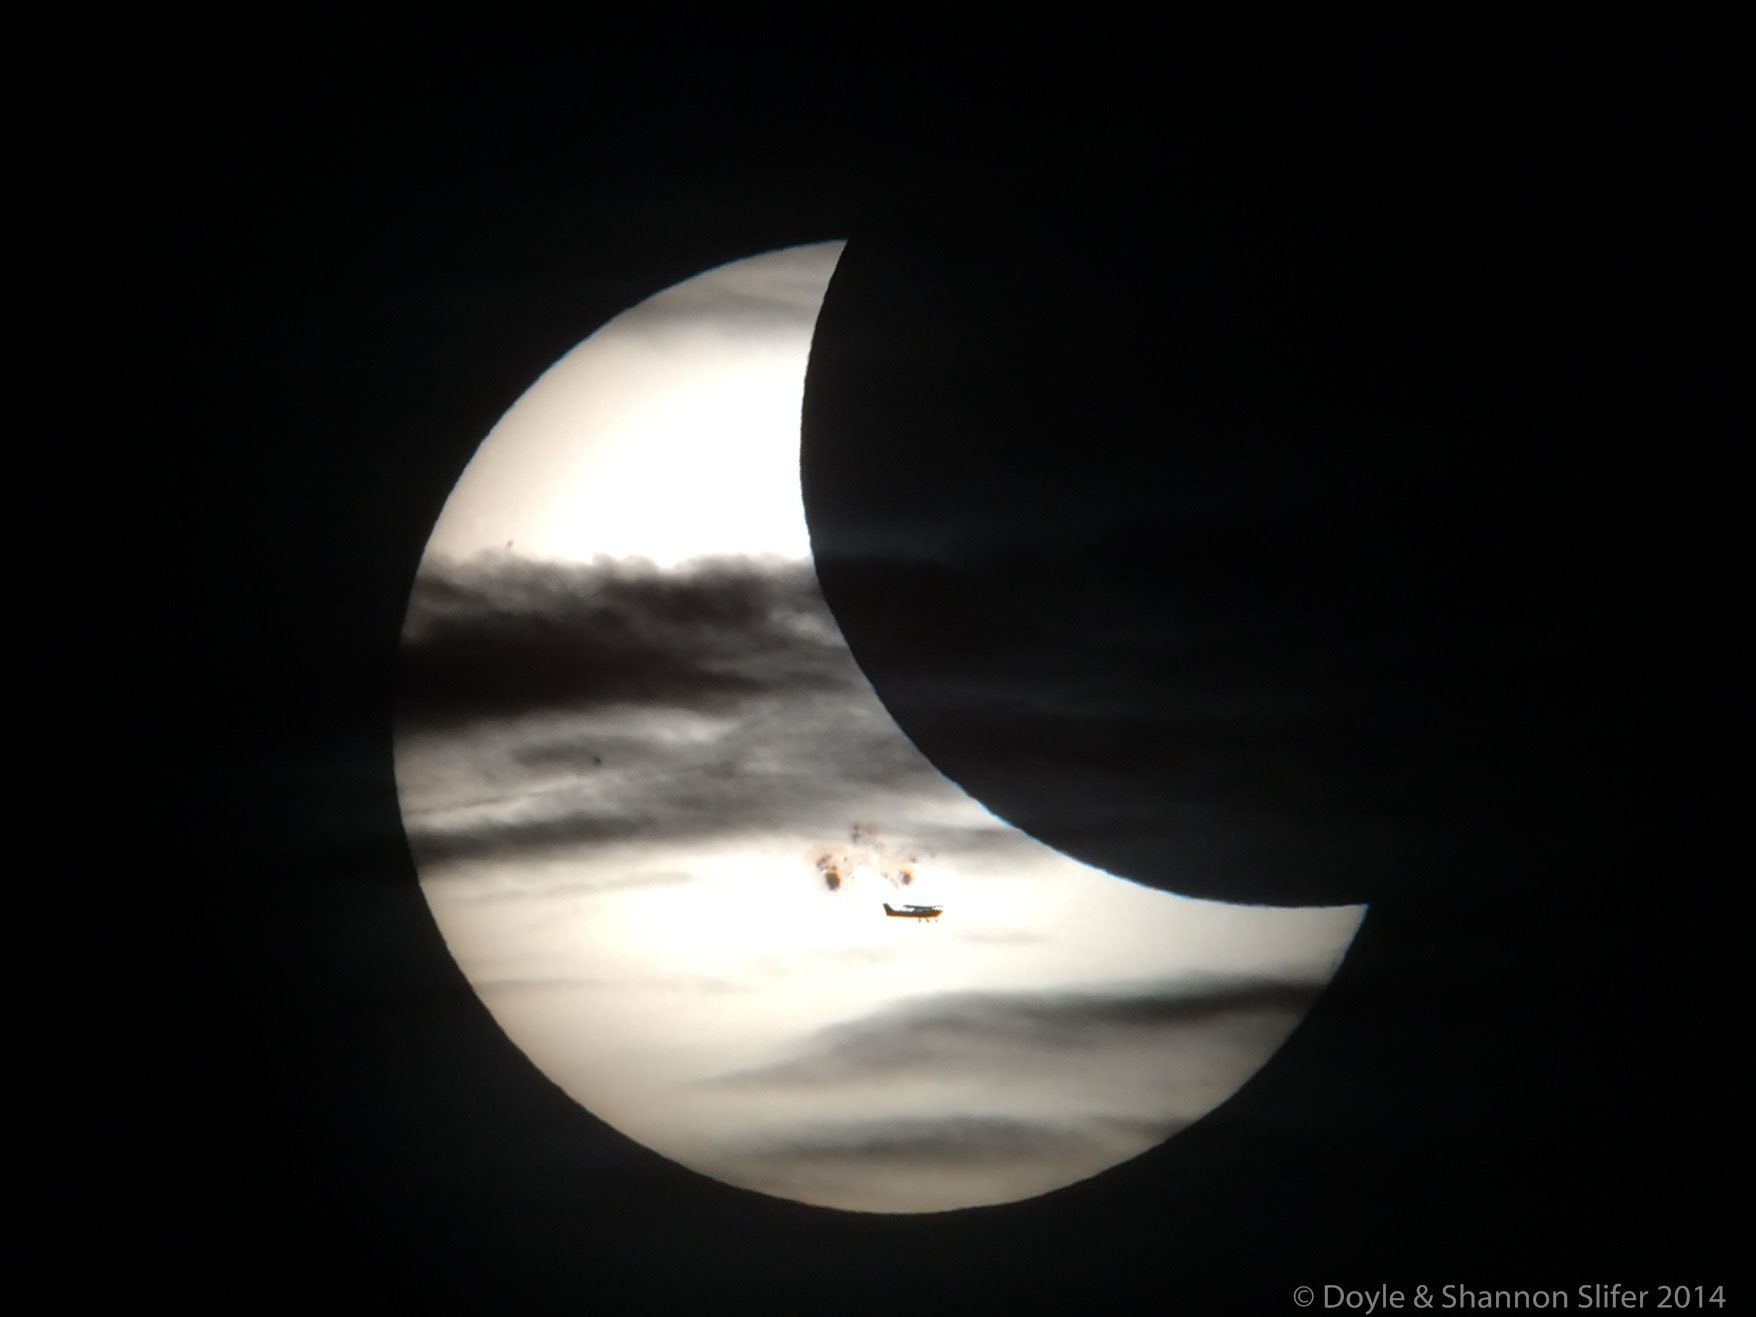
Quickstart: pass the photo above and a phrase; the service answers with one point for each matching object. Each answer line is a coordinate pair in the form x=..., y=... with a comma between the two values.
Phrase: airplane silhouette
x=914, y=911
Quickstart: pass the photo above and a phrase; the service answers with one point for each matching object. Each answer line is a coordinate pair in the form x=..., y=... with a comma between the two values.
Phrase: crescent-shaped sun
x=659, y=816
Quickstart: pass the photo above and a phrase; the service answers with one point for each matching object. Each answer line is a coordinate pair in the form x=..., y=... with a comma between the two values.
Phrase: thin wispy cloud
x=933, y=1140
x=779, y=297
x=986, y=1034
x=922, y=1162
x=989, y=1096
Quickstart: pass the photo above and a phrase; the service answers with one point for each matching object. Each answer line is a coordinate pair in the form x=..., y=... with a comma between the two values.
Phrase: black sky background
x=1301, y=449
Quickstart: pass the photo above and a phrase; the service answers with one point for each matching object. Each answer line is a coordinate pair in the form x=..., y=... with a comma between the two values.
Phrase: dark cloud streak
x=498, y=636
x=550, y=705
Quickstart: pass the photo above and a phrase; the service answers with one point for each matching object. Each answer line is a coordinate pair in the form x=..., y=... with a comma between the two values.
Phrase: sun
x=662, y=851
